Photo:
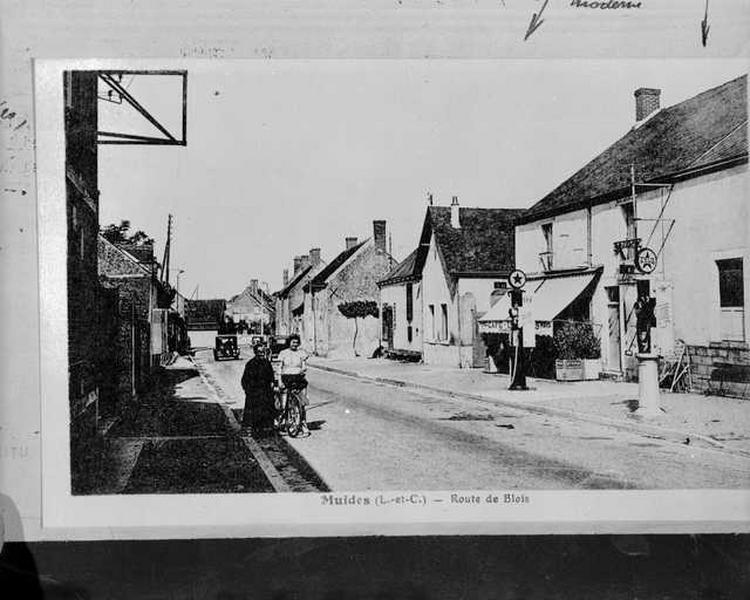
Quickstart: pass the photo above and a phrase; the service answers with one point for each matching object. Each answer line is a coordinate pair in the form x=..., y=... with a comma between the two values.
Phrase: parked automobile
x=226, y=347
x=258, y=339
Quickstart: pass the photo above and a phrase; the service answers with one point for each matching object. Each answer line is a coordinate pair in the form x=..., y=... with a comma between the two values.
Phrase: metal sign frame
x=109, y=77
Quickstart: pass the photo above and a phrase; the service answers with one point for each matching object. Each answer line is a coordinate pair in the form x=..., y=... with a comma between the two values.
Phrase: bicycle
x=290, y=419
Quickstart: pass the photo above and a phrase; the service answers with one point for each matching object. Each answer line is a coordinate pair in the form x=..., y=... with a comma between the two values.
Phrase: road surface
x=371, y=436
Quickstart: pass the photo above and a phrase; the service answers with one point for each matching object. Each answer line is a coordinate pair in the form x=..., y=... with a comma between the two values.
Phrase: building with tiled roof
x=708, y=131
x=252, y=309
x=400, y=310
x=464, y=255
x=350, y=277
x=290, y=299
x=677, y=183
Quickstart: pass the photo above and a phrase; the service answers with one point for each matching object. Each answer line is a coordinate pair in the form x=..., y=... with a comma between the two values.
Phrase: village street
x=372, y=436
x=184, y=437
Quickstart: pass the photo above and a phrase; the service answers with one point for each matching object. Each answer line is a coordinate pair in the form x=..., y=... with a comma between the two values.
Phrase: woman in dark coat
x=257, y=381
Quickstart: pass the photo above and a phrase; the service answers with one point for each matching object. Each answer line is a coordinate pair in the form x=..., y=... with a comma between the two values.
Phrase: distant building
x=204, y=315
x=290, y=299
x=351, y=276
x=676, y=182
x=253, y=308
x=464, y=257
x=401, y=310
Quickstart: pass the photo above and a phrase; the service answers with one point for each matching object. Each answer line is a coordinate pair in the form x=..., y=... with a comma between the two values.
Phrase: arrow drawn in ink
x=536, y=21
x=705, y=27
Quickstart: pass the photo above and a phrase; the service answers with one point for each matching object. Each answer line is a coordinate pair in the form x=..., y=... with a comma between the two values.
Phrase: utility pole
x=167, y=245
x=633, y=200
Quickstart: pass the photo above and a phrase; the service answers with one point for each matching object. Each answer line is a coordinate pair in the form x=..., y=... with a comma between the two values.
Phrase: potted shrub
x=578, y=352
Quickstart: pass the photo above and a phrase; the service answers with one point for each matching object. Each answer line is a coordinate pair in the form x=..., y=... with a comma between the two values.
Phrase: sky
x=283, y=156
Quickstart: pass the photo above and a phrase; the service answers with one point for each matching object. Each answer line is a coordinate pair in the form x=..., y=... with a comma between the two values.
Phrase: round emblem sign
x=517, y=279
x=645, y=260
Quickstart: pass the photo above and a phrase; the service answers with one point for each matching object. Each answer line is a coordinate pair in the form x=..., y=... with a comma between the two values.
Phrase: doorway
x=614, y=340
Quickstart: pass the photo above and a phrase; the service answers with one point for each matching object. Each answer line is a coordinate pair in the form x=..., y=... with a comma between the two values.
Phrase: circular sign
x=517, y=279
x=645, y=260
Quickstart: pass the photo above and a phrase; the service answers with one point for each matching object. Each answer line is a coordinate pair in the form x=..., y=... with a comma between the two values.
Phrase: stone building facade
x=253, y=308
x=351, y=276
x=135, y=293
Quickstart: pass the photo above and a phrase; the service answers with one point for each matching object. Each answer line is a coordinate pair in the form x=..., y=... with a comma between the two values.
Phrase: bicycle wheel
x=293, y=415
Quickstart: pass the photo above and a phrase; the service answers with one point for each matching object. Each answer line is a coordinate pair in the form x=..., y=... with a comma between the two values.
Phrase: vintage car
x=276, y=343
x=226, y=347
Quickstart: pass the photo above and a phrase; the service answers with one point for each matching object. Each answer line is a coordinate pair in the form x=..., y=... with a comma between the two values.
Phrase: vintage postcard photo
x=355, y=283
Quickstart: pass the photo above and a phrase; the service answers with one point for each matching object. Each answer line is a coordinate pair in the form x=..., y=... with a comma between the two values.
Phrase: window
x=546, y=256
x=731, y=299
x=433, y=332
x=409, y=334
x=409, y=303
x=443, y=322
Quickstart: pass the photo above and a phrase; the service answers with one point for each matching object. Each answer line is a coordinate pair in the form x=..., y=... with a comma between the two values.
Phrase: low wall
x=721, y=368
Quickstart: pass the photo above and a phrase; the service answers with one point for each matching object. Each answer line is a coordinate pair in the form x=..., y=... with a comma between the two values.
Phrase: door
x=613, y=329
x=388, y=326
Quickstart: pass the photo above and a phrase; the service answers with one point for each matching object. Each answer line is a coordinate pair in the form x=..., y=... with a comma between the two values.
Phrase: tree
x=358, y=309
x=119, y=234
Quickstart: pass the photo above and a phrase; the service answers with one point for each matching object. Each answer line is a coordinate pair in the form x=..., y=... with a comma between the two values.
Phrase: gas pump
x=518, y=373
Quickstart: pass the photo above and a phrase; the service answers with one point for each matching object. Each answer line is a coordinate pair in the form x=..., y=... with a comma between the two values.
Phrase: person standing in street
x=293, y=367
x=257, y=381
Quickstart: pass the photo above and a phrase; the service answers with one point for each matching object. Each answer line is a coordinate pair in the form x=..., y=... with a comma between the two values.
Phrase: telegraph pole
x=165, y=261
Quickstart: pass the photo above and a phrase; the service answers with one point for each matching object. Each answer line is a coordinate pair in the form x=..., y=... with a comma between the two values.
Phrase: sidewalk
x=719, y=422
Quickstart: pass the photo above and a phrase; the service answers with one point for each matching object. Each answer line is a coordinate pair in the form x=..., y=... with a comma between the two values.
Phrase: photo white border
x=239, y=515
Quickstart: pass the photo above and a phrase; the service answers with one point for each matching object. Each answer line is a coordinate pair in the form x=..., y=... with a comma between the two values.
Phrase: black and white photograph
x=337, y=277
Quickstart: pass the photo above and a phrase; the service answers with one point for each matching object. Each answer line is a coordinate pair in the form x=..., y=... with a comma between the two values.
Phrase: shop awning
x=546, y=298
x=556, y=294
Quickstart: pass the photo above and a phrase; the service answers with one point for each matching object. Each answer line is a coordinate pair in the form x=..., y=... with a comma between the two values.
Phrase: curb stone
x=673, y=435
x=294, y=455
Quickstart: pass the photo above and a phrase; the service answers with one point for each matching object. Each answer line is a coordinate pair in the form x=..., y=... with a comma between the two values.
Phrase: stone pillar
x=649, y=403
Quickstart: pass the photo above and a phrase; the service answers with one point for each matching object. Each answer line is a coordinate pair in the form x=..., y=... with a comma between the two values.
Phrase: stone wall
x=357, y=280
x=721, y=368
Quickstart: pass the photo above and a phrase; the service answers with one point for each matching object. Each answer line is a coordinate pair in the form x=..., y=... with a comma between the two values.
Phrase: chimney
x=304, y=261
x=297, y=264
x=378, y=234
x=254, y=285
x=350, y=242
x=455, y=216
x=314, y=256
x=285, y=277
x=646, y=102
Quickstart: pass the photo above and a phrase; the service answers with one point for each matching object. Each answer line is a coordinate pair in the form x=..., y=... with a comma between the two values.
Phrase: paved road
x=370, y=436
